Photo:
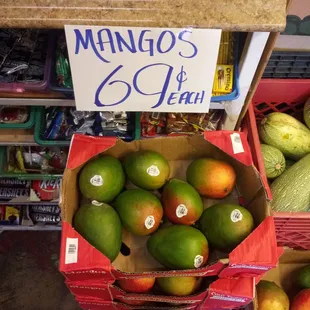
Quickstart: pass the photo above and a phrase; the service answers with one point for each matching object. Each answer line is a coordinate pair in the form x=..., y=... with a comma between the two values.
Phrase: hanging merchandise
x=161, y=124
x=24, y=60
x=22, y=159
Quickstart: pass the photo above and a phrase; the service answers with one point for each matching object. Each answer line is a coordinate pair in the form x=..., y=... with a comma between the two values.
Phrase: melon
x=285, y=133
x=274, y=161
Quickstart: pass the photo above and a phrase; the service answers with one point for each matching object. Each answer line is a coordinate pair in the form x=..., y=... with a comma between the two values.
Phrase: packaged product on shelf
x=10, y=215
x=41, y=214
x=224, y=73
x=45, y=209
x=14, y=182
x=223, y=79
x=45, y=190
x=22, y=55
x=9, y=193
x=13, y=115
x=63, y=71
x=41, y=218
x=62, y=123
x=153, y=124
x=193, y=122
x=22, y=159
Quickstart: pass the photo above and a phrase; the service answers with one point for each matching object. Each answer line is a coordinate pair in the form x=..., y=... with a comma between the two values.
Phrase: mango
x=140, y=211
x=147, y=169
x=179, y=286
x=271, y=297
x=179, y=247
x=181, y=202
x=212, y=178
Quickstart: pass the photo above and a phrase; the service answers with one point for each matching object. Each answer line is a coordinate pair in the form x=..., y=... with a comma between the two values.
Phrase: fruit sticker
x=153, y=171
x=96, y=203
x=236, y=216
x=181, y=211
x=96, y=180
x=149, y=222
x=198, y=261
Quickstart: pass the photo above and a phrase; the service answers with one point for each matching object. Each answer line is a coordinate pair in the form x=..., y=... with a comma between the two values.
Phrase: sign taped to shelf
x=142, y=69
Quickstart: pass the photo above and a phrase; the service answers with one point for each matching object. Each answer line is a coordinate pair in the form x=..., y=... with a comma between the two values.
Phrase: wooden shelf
x=17, y=137
x=64, y=102
x=29, y=228
x=232, y=15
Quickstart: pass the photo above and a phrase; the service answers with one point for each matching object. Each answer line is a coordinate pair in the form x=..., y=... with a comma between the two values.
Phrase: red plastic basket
x=288, y=96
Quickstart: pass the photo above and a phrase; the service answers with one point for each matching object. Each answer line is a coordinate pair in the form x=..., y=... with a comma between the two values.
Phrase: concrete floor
x=29, y=276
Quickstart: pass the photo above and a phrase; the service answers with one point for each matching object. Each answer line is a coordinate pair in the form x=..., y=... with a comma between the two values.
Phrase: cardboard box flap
x=110, y=292
x=76, y=251
x=92, y=304
x=234, y=287
x=233, y=143
x=84, y=147
x=230, y=293
x=256, y=254
x=291, y=256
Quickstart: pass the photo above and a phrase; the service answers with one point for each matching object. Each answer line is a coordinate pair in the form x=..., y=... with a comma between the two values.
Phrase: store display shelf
x=37, y=102
x=17, y=137
x=240, y=15
x=28, y=203
x=29, y=228
x=63, y=102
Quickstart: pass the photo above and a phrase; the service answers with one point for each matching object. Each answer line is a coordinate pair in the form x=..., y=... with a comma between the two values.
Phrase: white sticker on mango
x=153, y=171
x=96, y=203
x=236, y=216
x=149, y=222
x=198, y=261
x=181, y=211
x=96, y=180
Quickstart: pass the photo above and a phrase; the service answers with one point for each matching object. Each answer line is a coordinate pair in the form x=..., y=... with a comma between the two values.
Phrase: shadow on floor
x=29, y=276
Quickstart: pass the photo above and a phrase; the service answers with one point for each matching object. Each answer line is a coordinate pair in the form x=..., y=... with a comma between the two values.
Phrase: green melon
x=285, y=133
x=289, y=163
x=274, y=161
x=307, y=113
x=291, y=190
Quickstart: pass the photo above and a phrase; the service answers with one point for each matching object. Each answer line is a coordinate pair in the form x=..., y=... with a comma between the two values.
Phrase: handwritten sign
x=142, y=69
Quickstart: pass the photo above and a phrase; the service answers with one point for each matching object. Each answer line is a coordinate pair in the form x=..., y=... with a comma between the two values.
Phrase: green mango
x=179, y=247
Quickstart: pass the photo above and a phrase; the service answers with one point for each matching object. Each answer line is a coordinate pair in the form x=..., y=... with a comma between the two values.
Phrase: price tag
x=71, y=251
x=236, y=143
x=142, y=69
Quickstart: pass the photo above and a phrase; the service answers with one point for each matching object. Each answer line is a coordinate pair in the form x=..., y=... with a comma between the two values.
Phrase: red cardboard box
x=92, y=304
x=222, y=293
x=109, y=292
x=254, y=256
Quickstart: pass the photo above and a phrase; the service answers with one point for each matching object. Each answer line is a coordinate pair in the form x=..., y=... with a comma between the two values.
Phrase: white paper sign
x=142, y=69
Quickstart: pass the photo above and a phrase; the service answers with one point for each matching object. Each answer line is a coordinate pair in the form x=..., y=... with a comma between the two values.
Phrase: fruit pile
x=142, y=196
x=270, y=296
x=286, y=155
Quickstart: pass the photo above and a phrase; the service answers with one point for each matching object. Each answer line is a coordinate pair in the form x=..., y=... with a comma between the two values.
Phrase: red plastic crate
x=288, y=96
